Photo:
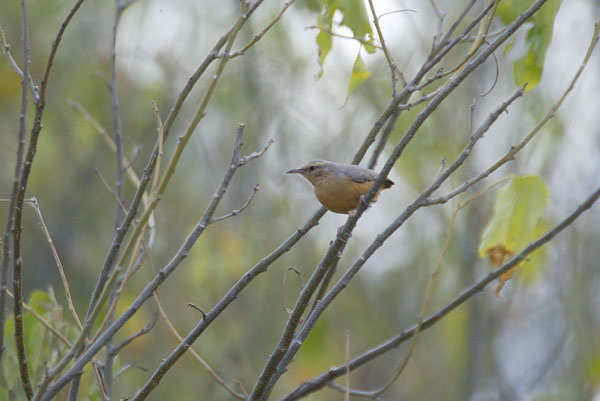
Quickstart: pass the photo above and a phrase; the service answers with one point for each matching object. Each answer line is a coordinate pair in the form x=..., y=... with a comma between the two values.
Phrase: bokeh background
x=540, y=341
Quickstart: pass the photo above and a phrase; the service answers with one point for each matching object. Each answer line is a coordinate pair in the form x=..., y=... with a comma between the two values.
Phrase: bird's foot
x=364, y=202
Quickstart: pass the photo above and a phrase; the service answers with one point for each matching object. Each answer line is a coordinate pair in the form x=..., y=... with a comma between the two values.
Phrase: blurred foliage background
x=540, y=341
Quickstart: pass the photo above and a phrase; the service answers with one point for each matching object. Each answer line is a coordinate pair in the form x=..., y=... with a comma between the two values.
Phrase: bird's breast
x=341, y=197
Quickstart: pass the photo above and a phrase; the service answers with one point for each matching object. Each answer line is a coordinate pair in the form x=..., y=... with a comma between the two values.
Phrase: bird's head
x=315, y=170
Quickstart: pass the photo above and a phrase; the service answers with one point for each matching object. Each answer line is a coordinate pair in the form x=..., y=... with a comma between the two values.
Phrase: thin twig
x=398, y=11
x=144, y=330
x=129, y=366
x=440, y=22
x=456, y=23
x=34, y=202
x=237, y=211
x=285, y=308
x=477, y=43
x=388, y=56
x=259, y=35
x=347, y=395
x=6, y=50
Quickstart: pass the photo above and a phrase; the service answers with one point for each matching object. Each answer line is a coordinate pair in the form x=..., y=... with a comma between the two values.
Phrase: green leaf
x=354, y=17
x=527, y=71
x=370, y=48
x=528, y=68
x=9, y=360
x=35, y=347
x=509, y=45
x=516, y=216
x=38, y=299
x=509, y=10
x=324, y=44
x=515, y=222
x=360, y=74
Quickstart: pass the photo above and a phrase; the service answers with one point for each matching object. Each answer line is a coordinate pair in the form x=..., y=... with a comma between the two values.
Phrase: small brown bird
x=340, y=187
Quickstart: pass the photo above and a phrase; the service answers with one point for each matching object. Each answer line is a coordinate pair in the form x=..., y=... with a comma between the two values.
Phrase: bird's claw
x=364, y=202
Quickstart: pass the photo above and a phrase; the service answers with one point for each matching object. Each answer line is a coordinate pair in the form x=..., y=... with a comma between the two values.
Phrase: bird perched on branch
x=340, y=187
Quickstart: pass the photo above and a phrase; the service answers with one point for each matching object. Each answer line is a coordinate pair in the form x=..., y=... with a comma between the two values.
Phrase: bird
x=340, y=187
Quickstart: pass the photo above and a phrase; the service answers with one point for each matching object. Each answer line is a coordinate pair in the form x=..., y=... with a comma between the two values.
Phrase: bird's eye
x=311, y=168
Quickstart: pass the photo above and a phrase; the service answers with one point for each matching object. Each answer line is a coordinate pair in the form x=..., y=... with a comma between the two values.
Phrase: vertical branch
x=388, y=56
x=24, y=172
x=118, y=132
x=116, y=118
x=10, y=217
x=16, y=227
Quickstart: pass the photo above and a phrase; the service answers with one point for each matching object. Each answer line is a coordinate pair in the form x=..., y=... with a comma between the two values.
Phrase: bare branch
x=194, y=306
x=16, y=223
x=144, y=330
x=237, y=211
x=130, y=364
x=388, y=56
x=6, y=50
x=347, y=395
x=440, y=22
x=456, y=23
x=259, y=35
x=33, y=201
x=285, y=308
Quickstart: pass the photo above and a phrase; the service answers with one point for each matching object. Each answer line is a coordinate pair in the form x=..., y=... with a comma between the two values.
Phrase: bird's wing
x=358, y=174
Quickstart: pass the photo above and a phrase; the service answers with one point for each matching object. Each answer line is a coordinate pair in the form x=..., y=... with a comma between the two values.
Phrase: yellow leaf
x=360, y=74
x=515, y=221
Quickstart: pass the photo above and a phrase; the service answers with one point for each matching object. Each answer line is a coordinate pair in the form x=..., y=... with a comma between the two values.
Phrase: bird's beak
x=296, y=170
